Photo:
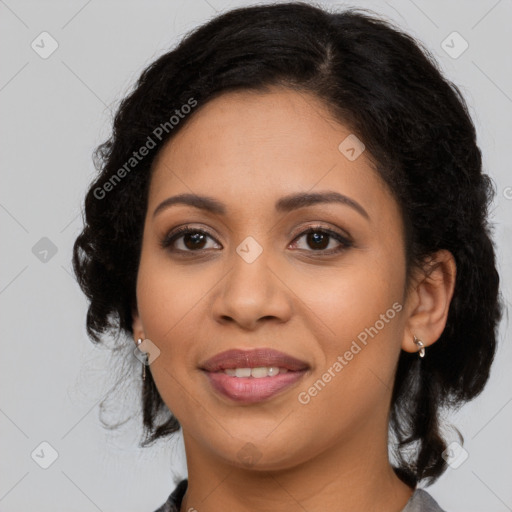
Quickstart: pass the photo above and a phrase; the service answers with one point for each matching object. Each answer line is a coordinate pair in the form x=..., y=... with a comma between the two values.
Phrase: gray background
x=54, y=111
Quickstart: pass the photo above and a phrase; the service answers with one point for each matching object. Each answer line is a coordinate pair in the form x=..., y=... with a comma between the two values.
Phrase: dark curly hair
x=415, y=124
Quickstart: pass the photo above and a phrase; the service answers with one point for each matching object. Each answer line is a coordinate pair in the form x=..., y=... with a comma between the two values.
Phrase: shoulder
x=421, y=501
x=173, y=502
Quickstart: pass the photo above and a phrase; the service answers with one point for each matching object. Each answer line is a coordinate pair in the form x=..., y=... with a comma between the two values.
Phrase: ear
x=137, y=327
x=428, y=300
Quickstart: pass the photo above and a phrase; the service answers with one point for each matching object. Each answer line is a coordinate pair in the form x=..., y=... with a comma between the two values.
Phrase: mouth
x=249, y=376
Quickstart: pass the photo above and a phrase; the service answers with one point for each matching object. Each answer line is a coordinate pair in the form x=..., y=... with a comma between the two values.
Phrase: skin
x=247, y=150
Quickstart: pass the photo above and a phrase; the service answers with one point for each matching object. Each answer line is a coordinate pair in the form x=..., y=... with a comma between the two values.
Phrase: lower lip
x=250, y=389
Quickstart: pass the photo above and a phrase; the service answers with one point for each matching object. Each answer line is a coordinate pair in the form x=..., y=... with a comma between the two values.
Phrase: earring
x=421, y=346
x=139, y=341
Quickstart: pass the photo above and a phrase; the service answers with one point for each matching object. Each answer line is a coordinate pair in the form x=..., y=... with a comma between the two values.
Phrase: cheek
x=356, y=313
x=167, y=289
x=350, y=299
x=357, y=355
x=168, y=298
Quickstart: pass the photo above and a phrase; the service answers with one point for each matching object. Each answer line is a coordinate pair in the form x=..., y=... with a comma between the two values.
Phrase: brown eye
x=186, y=239
x=194, y=240
x=318, y=240
x=323, y=240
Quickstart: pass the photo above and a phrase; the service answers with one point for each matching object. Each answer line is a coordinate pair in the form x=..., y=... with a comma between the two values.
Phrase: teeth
x=257, y=373
x=274, y=370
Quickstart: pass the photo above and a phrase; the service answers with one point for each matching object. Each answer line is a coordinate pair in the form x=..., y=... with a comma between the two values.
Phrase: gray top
x=420, y=501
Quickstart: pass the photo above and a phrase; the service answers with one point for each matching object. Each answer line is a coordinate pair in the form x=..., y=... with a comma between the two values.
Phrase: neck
x=353, y=476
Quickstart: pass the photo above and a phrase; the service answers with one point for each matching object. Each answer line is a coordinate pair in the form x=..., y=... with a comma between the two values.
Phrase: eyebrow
x=285, y=204
x=208, y=204
x=294, y=201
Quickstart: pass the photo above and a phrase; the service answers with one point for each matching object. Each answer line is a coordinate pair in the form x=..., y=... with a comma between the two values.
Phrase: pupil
x=196, y=238
x=318, y=237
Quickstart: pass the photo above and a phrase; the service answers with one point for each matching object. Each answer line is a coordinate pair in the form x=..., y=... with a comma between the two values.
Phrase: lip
x=247, y=390
x=253, y=359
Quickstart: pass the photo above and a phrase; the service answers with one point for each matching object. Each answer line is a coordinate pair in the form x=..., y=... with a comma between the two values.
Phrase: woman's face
x=249, y=276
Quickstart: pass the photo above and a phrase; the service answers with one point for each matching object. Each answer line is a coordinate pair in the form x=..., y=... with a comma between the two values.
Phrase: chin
x=262, y=456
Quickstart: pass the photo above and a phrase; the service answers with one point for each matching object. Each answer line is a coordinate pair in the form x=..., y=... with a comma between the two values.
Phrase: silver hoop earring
x=421, y=346
x=139, y=341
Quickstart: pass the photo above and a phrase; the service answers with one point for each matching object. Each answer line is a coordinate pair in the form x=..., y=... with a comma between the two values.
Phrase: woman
x=291, y=223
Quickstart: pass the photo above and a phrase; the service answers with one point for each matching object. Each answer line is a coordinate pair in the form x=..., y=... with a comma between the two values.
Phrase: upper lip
x=253, y=359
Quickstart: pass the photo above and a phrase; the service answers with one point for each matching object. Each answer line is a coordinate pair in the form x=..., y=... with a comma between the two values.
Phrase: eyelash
x=345, y=243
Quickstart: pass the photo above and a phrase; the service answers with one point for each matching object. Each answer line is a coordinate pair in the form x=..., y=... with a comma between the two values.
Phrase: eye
x=323, y=240
x=189, y=240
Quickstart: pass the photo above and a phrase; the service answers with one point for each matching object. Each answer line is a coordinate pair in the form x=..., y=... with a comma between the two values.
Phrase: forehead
x=250, y=148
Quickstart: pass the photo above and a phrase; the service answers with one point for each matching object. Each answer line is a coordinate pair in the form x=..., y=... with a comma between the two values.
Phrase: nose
x=251, y=294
